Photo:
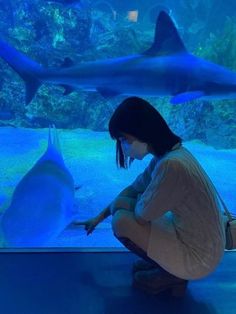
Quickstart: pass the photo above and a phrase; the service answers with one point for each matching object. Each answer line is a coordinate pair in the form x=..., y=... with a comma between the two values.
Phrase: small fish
x=42, y=204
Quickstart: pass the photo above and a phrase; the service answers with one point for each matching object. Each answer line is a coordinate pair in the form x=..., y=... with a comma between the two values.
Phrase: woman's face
x=132, y=147
x=130, y=139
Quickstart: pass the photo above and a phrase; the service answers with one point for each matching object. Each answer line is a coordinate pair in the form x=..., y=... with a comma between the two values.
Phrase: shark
x=164, y=69
x=42, y=204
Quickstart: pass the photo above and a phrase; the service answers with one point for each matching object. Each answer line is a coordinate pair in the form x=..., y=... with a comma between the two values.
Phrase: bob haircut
x=137, y=117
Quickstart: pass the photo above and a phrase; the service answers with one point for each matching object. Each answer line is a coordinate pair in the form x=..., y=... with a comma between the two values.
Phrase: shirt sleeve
x=163, y=193
x=143, y=180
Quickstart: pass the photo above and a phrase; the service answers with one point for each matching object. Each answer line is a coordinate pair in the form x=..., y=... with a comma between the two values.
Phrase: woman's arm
x=117, y=203
x=129, y=191
x=104, y=214
x=126, y=199
x=123, y=200
x=165, y=191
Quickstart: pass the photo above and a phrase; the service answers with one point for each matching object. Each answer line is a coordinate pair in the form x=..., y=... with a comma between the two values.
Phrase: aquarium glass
x=65, y=66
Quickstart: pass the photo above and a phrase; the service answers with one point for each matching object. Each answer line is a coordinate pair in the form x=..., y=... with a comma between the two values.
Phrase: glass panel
x=70, y=64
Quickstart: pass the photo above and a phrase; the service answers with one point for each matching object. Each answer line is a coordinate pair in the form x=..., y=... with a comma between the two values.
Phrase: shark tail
x=26, y=68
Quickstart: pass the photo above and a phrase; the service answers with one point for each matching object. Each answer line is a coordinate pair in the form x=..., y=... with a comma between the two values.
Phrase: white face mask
x=137, y=149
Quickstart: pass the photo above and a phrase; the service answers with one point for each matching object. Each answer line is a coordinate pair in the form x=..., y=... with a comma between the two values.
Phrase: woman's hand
x=89, y=225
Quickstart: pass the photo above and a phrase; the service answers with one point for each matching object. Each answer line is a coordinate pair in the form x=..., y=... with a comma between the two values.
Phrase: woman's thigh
x=123, y=202
x=125, y=225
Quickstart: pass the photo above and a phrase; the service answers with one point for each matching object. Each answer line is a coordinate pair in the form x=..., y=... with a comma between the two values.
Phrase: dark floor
x=100, y=283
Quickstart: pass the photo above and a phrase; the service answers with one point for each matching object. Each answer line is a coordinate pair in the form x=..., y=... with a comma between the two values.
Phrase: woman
x=170, y=215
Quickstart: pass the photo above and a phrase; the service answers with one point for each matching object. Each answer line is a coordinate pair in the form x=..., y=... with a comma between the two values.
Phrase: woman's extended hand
x=89, y=225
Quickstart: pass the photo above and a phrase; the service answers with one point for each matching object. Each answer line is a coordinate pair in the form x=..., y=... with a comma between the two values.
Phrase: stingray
x=42, y=204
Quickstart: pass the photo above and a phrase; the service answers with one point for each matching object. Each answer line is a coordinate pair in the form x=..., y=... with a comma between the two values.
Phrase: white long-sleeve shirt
x=179, y=200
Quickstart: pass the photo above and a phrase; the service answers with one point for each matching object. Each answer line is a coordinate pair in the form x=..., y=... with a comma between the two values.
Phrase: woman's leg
x=123, y=215
x=129, y=232
x=136, y=238
x=124, y=225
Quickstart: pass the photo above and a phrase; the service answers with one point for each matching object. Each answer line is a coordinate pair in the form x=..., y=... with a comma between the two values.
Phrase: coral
x=22, y=34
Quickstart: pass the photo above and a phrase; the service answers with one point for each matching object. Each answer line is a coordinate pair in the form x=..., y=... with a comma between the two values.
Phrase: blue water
x=87, y=152
x=82, y=31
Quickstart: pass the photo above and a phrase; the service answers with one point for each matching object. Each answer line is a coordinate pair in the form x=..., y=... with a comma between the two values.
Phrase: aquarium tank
x=65, y=66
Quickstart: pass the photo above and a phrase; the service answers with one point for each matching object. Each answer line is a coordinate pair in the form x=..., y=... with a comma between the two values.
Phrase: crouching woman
x=170, y=215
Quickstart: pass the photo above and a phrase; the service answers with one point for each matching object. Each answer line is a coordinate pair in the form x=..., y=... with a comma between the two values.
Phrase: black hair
x=137, y=117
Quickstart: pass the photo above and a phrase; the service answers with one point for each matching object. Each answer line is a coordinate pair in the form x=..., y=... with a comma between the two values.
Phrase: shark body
x=166, y=69
x=42, y=203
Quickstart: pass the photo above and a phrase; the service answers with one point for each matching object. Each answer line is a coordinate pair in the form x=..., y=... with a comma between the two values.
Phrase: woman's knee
x=121, y=222
x=124, y=225
x=123, y=202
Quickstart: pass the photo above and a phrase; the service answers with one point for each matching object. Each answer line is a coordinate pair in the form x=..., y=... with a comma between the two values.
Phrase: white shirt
x=181, y=203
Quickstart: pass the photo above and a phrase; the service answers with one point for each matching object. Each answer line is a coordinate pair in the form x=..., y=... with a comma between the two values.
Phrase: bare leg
x=135, y=237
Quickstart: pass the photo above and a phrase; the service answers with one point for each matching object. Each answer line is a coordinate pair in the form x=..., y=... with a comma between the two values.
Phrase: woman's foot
x=155, y=280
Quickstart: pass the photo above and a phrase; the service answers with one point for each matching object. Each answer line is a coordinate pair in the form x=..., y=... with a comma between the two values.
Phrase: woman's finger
x=90, y=230
x=79, y=223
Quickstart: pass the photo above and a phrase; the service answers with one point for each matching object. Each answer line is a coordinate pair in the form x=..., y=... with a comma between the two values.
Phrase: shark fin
x=188, y=96
x=31, y=87
x=107, y=93
x=167, y=40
